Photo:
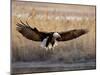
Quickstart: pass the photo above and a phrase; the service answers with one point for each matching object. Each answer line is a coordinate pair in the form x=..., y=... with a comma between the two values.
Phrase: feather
x=72, y=34
x=29, y=33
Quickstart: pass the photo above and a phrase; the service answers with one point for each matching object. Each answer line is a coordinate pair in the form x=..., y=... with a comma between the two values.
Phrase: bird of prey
x=48, y=39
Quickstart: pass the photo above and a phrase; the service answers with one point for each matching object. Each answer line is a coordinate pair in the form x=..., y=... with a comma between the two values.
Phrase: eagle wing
x=72, y=34
x=29, y=32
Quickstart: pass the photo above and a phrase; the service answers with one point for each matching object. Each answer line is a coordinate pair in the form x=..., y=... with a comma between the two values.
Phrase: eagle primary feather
x=36, y=35
x=28, y=32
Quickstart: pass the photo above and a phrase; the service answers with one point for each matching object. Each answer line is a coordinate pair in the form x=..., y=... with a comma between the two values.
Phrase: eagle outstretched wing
x=29, y=32
x=72, y=34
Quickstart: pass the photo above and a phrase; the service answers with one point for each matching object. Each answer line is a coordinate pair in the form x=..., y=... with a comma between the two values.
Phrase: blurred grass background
x=54, y=17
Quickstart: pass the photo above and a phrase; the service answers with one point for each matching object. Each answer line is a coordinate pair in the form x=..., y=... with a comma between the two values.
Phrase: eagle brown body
x=48, y=38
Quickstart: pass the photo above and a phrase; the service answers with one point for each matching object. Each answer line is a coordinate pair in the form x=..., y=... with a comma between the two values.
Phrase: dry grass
x=82, y=48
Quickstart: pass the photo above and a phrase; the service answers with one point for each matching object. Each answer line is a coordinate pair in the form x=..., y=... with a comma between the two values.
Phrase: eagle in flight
x=48, y=39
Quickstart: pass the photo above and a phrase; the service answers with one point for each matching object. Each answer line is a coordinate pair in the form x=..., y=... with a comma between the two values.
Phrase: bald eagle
x=48, y=39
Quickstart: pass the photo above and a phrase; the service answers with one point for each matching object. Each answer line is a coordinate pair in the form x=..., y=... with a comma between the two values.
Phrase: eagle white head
x=56, y=35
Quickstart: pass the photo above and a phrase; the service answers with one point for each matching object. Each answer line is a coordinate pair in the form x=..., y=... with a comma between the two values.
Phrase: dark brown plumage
x=72, y=34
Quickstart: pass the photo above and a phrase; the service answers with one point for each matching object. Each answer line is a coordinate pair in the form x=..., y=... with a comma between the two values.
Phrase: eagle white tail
x=43, y=44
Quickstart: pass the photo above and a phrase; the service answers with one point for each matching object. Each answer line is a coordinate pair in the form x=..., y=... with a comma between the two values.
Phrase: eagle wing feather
x=72, y=34
x=29, y=32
